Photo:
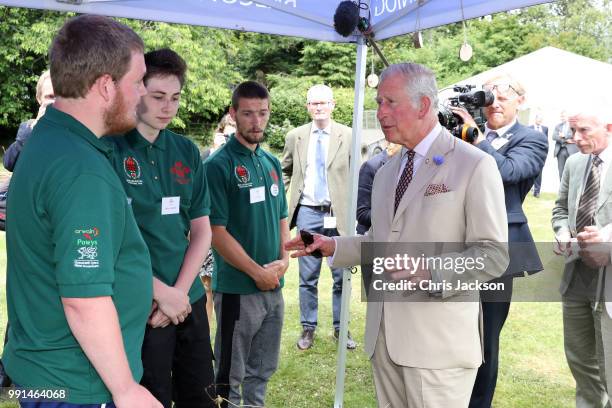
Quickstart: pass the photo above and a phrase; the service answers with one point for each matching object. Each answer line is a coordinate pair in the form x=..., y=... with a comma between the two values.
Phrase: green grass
x=533, y=371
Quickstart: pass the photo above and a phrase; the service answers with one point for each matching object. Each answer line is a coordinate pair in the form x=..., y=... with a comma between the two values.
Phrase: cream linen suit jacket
x=295, y=158
x=436, y=332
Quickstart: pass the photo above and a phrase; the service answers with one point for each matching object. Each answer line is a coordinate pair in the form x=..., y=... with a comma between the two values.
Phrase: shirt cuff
x=330, y=259
x=86, y=291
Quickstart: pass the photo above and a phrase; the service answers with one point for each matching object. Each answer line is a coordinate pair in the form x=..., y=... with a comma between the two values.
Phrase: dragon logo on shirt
x=242, y=174
x=181, y=172
x=132, y=170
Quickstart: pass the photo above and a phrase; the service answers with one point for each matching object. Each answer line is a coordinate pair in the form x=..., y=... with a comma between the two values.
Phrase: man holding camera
x=520, y=153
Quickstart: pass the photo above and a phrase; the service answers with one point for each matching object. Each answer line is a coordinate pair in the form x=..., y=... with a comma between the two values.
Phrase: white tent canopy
x=300, y=18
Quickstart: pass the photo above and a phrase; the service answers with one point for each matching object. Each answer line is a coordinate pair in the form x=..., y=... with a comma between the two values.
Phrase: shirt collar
x=138, y=141
x=239, y=148
x=501, y=131
x=65, y=120
x=315, y=129
x=606, y=154
x=423, y=147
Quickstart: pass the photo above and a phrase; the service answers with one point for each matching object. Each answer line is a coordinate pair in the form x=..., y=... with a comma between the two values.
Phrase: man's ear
x=105, y=87
x=425, y=106
x=232, y=113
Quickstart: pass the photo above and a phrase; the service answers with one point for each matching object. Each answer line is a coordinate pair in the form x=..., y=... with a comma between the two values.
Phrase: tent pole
x=362, y=51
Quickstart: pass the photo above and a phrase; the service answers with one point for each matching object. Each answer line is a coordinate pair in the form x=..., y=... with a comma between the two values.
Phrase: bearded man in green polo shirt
x=79, y=284
x=249, y=223
x=163, y=176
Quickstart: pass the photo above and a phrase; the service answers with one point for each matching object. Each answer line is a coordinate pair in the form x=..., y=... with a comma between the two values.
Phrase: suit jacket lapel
x=509, y=135
x=442, y=145
x=390, y=175
x=303, y=142
x=335, y=141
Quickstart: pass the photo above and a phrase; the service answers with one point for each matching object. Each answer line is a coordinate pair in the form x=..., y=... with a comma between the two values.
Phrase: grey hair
x=419, y=81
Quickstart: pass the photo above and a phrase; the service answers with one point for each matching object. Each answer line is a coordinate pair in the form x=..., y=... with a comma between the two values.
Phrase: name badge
x=498, y=142
x=258, y=194
x=329, y=222
x=170, y=205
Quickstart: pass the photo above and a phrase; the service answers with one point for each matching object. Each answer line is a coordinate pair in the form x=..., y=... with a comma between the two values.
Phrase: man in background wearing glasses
x=520, y=153
x=316, y=164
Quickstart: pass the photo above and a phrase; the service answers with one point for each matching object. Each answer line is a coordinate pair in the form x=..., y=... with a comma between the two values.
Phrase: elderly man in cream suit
x=315, y=172
x=583, y=214
x=425, y=352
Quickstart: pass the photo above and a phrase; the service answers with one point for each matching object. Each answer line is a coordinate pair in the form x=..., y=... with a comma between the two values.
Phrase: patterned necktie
x=590, y=195
x=491, y=136
x=321, y=179
x=404, y=180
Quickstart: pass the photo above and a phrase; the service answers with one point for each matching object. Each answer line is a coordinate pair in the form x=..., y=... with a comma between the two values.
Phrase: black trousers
x=494, y=316
x=178, y=359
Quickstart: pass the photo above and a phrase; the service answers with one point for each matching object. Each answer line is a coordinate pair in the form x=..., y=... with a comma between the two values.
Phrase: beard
x=116, y=118
x=252, y=138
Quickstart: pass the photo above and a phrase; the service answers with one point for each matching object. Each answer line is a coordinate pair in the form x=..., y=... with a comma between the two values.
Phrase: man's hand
x=157, y=318
x=326, y=245
x=279, y=267
x=266, y=279
x=594, y=252
x=468, y=120
x=416, y=276
x=174, y=303
x=136, y=396
x=563, y=244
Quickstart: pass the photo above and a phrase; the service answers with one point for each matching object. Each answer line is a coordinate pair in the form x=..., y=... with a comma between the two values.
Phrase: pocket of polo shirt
x=440, y=197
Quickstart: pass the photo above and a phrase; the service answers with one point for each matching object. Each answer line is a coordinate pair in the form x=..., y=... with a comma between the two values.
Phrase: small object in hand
x=308, y=239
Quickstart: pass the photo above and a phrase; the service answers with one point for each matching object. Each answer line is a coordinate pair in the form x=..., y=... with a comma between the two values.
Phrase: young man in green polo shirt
x=164, y=180
x=79, y=284
x=249, y=223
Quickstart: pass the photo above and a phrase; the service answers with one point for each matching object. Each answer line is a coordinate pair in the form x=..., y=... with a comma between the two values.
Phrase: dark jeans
x=177, y=361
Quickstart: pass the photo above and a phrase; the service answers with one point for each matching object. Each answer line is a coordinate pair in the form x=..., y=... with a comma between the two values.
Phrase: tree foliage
x=219, y=59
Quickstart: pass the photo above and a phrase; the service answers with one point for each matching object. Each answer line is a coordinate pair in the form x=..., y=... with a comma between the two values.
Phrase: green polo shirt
x=248, y=198
x=165, y=184
x=70, y=233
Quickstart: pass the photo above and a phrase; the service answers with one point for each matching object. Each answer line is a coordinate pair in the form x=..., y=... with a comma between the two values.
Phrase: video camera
x=471, y=101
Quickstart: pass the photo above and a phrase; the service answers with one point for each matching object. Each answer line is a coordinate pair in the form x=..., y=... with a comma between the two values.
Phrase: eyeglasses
x=319, y=104
x=502, y=89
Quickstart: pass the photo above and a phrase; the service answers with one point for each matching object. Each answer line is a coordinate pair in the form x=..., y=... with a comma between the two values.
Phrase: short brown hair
x=86, y=48
x=163, y=63
x=249, y=90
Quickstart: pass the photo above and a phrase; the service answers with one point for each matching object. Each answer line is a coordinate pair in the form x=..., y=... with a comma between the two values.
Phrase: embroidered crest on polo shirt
x=181, y=172
x=243, y=175
x=132, y=171
x=86, y=247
